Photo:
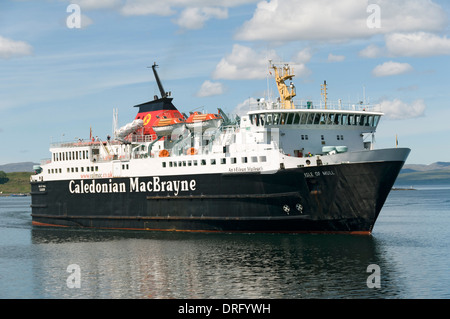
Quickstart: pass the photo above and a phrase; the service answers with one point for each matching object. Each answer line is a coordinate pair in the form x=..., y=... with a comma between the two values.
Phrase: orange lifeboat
x=165, y=126
x=198, y=120
x=163, y=153
x=191, y=151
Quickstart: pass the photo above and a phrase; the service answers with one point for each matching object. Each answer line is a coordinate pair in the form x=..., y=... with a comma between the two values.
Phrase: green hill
x=440, y=176
x=18, y=182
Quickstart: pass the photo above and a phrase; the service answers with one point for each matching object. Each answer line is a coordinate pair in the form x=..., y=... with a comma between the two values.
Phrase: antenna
x=115, y=122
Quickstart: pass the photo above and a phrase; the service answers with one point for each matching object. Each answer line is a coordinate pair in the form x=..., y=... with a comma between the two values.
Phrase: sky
x=66, y=65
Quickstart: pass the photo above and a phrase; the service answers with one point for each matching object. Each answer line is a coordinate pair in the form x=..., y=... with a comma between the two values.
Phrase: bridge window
x=375, y=120
x=290, y=118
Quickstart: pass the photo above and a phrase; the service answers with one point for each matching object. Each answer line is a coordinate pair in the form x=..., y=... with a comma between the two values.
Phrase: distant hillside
x=423, y=168
x=18, y=167
x=414, y=174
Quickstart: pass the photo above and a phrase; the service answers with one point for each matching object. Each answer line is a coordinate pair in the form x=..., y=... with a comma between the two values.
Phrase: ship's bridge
x=306, y=129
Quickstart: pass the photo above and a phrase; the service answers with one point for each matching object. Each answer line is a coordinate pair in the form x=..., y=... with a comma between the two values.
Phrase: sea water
x=407, y=256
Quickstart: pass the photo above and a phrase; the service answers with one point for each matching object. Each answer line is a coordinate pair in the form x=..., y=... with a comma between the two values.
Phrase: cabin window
x=195, y=162
x=316, y=118
x=223, y=161
x=82, y=169
x=164, y=164
x=213, y=161
x=269, y=120
x=296, y=119
x=233, y=160
x=350, y=119
x=244, y=160
x=261, y=119
x=203, y=162
x=337, y=119
x=283, y=118
x=189, y=163
x=276, y=118
x=330, y=119
x=290, y=118
x=263, y=158
x=254, y=159
x=303, y=118
x=375, y=120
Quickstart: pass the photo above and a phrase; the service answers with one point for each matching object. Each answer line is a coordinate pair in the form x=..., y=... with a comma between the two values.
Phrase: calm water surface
x=410, y=244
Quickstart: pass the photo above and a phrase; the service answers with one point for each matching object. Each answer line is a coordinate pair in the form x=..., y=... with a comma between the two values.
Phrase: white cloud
x=329, y=20
x=144, y=7
x=372, y=51
x=242, y=108
x=11, y=48
x=171, y=7
x=96, y=4
x=418, y=44
x=85, y=21
x=335, y=58
x=244, y=63
x=303, y=56
x=195, y=18
x=209, y=88
x=391, y=68
x=398, y=109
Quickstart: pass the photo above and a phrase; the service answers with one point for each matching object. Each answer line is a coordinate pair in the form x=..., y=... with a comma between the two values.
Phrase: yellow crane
x=283, y=74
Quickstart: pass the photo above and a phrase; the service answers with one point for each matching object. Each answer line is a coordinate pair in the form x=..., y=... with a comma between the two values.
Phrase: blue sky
x=56, y=82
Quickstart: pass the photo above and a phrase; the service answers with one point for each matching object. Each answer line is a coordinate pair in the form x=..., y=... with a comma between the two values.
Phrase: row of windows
x=213, y=161
x=80, y=169
x=69, y=156
x=314, y=118
x=338, y=137
x=73, y=169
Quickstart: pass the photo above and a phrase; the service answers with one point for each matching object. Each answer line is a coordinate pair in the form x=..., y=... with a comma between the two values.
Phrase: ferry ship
x=283, y=167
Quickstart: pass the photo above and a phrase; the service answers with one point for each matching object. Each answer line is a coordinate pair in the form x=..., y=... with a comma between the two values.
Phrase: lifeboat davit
x=165, y=126
x=198, y=120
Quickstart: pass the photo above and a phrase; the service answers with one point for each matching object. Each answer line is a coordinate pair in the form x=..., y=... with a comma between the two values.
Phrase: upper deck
x=263, y=113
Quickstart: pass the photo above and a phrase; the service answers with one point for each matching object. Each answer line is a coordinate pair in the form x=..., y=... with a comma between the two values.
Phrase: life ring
x=191, y=151
x=163, y=153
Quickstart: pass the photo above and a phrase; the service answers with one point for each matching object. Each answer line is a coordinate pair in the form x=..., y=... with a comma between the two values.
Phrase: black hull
x=345, y=198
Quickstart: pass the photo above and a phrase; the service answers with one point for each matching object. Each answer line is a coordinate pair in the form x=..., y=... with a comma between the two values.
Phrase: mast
x=158, y=81
x=324, y=92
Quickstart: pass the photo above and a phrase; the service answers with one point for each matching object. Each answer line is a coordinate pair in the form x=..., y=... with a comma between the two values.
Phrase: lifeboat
x=198, y=120
x=165, y=126
x=164, y=153
x=191, y=151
